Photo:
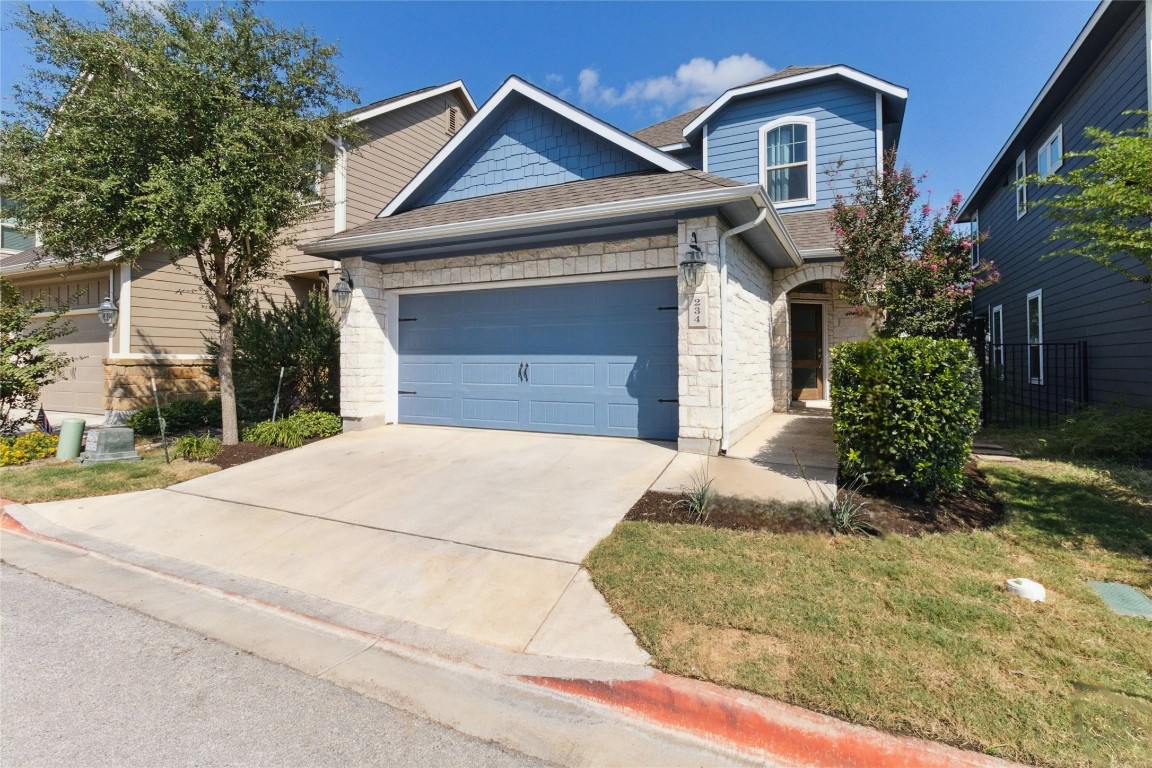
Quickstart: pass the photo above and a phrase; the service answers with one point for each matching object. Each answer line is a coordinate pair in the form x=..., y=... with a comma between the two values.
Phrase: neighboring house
x=529, y=277
x=1041, y=306
x=163, y=318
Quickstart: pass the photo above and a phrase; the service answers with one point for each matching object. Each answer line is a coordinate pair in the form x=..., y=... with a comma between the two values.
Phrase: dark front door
x=807, y=351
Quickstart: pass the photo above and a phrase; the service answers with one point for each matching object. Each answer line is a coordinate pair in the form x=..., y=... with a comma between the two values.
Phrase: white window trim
x=996, y=323
x=1020, y=190
x=1039, y=296
x=1057, y=134
x=765, y=129
x=974, y=253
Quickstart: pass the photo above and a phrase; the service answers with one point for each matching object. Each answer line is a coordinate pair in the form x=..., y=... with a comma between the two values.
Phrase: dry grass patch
x=917, y=635
x=53, y=480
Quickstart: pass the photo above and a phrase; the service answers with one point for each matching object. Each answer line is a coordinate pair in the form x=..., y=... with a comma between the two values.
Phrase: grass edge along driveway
x=918, y=636
x=52, y=480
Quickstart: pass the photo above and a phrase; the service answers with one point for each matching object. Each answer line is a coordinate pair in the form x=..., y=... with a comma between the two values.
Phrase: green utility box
x=71, y=433
x=109, y=444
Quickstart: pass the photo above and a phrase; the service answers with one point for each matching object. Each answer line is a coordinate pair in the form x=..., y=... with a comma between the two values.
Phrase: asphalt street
x=87, y=683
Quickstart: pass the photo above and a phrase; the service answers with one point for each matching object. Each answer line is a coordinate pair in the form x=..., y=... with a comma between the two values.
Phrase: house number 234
x=698, y=312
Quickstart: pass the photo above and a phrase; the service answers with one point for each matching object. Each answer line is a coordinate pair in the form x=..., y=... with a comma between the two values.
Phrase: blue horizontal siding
x=531, y=147
x=845, y=116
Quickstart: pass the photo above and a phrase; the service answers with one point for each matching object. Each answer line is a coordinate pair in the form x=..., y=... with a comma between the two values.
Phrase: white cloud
x=694, y=84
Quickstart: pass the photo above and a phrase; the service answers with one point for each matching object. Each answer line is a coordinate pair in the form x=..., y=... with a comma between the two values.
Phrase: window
x=996, y=334
x=1036, y=337
x=788, y=161
x=1021, y=189
x=1051, y=155
x=974, y=233
x=12, y=239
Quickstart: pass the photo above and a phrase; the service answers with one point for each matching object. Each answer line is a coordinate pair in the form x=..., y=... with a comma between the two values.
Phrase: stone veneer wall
x=365, y=358
x=749, y=343
x=128, y=383
x=843, y=321
x=699, y=353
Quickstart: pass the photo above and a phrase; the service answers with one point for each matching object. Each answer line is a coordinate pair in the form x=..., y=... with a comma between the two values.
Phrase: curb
x=736, y=722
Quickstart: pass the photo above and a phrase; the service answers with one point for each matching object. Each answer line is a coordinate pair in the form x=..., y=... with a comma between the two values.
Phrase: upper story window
x=12, y=239
x=788, y=161
x=1021, y=188
x=1051, y=154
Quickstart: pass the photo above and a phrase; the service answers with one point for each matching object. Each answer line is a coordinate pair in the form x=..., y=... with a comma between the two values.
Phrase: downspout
x=724, y=415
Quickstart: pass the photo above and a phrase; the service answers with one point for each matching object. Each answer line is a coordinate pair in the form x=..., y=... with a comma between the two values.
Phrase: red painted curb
x=749, y=722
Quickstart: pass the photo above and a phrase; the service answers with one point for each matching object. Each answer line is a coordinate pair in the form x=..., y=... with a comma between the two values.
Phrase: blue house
x=1065, y=329
x=547, y=271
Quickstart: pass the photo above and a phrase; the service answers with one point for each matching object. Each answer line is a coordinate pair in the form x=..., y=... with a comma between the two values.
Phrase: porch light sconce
x=693, y=264
x=342, y=293
x=107, y=312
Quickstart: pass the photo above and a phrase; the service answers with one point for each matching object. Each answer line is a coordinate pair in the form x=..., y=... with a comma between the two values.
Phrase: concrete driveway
x=478, y=533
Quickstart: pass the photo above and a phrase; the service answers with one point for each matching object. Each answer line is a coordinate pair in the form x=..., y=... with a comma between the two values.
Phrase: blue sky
x=972, y=68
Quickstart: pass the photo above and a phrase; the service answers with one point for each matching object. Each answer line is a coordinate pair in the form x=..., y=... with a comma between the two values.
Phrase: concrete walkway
x=475, y=533
x=766, y=463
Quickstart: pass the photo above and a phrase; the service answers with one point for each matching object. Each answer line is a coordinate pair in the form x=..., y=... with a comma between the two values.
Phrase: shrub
x=904, y=412
x=27, y=360
x=180, y=417
x=27, y=447
x=299, y=335
x=1094, y=433
x=284, y=433
x=317, y=424
x=197, y=447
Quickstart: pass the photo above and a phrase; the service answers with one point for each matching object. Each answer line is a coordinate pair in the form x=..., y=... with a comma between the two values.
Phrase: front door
x=807, y=351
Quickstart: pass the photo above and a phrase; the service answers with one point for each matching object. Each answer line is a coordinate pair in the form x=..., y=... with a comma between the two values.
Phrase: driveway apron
x=478, y=533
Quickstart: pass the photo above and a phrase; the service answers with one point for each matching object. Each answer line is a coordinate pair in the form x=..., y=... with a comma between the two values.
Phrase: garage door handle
x=671, y=400
x=406, y=392
x=525, y=372
x=520, y=372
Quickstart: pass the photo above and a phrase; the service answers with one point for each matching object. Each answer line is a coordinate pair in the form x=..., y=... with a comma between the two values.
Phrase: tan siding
x=169, y=314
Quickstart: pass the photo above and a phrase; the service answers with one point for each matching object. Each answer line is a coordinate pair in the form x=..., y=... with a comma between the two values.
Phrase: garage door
x=591, y=358
x=82, y=389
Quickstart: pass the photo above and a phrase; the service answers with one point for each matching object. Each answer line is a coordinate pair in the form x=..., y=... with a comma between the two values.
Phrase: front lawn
x=53, y=481
x=917, y=635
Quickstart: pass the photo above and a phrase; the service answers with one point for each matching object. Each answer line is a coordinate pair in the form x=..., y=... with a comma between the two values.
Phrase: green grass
x=54, y=481
x=918, y=635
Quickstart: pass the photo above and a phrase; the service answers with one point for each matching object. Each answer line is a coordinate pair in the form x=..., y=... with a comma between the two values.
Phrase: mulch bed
x=242, y=453
x=977, y=507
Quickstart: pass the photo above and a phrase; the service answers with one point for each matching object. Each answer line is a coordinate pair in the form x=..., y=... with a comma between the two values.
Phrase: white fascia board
x=776, y=224
x=515, y=85
x=848, y=73
x=1063, y=65
x=698, y=198
x=416, y=98
x=675, y=147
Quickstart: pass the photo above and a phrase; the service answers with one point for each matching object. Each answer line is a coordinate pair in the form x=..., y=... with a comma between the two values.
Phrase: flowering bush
x=27, y=447
x=903, y=260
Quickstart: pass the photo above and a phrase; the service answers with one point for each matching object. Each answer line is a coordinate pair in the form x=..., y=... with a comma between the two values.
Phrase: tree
x=196, y=133
x=903, y=261
x=27, y=363
x=1105, y=207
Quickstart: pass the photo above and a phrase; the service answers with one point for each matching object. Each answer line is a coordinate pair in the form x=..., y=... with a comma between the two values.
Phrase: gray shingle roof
x=671, y=131
x=12, y=262
x=390, y=99
x=810, y=229
x=557, y=197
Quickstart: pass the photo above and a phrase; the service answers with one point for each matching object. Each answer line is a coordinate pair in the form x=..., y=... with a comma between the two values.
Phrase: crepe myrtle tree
x=196, y=133
x=905, y=262
x=1103, y=208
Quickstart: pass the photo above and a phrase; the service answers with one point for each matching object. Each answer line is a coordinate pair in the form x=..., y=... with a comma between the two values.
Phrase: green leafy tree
x=27, y=363
x=1104, y=207
x=904, y=262
x=193, y=132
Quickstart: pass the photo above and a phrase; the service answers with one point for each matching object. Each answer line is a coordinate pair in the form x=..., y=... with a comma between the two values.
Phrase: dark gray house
x=1041, y=307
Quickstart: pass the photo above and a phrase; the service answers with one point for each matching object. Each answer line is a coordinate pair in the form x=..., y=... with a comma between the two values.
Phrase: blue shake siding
x=532, y=147
x=845, y=117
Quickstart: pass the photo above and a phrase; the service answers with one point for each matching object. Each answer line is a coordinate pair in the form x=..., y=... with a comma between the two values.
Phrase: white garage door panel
x=82, y=391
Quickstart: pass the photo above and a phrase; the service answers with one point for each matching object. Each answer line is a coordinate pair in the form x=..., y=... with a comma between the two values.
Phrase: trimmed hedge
x=904, y=412
x=180, y=417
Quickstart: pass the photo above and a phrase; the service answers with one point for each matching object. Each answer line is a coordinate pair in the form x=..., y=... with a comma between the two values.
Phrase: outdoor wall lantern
x=693, y=264
x=107, y=312
x=342, y=293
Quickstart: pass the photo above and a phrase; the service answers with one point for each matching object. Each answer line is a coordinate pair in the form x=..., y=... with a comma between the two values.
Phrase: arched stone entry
x=836, y=320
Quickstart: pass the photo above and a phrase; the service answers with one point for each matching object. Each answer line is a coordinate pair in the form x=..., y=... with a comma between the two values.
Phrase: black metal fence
x=1032, y=385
